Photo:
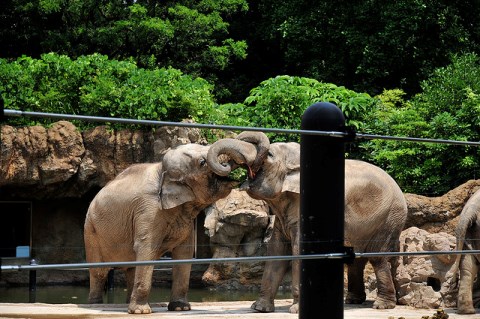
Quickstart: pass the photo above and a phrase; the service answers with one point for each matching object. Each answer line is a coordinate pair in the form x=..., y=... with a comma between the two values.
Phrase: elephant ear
x=173, y=192
x=291, y=183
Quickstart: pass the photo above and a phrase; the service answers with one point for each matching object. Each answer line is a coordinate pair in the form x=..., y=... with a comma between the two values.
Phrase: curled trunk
x=262, y=144
x=238, y=152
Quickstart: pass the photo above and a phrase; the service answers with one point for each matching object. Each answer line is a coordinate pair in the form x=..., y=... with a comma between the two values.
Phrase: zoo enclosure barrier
x=322, y=126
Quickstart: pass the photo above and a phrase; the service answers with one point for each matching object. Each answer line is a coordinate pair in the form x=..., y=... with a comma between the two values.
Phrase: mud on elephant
x=375, y=214
x=147, y=211
x=468, y=266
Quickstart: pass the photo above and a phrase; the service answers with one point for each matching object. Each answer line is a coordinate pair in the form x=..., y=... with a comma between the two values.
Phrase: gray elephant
x=375, y=214
x=147, y=211
x=468, y=236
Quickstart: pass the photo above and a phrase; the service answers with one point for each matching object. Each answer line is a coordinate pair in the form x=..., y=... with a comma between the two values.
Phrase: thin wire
x=17, y=113
x=171, y=262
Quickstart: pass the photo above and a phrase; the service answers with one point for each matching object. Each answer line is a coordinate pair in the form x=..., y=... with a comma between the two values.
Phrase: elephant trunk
x=262, y=144
x=240, y=152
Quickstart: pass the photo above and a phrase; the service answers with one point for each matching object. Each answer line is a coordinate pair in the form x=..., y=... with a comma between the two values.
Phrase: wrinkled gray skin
x=468, y=238
x=147, y=211
x=375, y=214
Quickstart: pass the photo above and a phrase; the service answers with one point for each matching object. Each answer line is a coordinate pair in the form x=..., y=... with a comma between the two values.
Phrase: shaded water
x=79, y=295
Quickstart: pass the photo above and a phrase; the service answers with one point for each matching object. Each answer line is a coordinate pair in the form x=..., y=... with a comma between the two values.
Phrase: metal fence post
x=32, y=283
x=322, y=188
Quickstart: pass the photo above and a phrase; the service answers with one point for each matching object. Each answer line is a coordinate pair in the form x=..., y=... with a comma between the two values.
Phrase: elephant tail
x=467, y=219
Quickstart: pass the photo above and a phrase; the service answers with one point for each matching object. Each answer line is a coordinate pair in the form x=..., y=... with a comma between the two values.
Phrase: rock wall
x=60, y=161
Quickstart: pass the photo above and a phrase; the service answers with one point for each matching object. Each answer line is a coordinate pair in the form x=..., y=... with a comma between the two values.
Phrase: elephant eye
x=270, y=154
x=202, y=162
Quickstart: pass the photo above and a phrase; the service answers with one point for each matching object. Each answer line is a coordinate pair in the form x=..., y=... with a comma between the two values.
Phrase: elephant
x=375, y=215
x=468, y=235
x=149, y=210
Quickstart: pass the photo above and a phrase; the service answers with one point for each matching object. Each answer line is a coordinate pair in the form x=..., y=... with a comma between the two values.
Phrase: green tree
x=189, y=36
x=447, y=108
x=369, y=45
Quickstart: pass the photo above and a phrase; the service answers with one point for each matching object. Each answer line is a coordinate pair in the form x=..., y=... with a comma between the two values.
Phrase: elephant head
x=187, y=176
x=279, y=173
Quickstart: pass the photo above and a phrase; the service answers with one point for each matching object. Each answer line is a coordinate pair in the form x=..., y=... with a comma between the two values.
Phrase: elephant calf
x=375, y=214
x=147, y=211
x=468, y=234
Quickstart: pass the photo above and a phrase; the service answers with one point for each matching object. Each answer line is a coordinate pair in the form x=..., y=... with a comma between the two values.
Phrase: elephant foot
x=384, y=304
x=294, y=308
x=466, y=311
x=179, y=306
x=465, y=307
x=95, y=299
x=135, y=308
x=262, y=305
x=353, y=299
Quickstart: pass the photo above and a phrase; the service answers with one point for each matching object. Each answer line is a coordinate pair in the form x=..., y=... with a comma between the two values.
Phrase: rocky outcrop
x=424, y=281
x=38, y=155
x=238, y=226
x=436, y=214
x=60, y=161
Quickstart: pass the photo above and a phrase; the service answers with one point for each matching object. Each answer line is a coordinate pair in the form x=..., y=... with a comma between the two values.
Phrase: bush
x=96, y=86
x=279, y=102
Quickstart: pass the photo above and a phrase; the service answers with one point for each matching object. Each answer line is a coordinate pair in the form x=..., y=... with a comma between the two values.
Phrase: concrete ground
x=213, y=310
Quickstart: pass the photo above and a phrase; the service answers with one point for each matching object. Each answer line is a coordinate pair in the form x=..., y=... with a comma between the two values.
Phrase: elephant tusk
x=251, y=173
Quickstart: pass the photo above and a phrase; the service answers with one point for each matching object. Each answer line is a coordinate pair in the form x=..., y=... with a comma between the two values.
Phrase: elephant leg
x=98, y=276
x=386, y=298
x=272, y=274
x=98, y=279
x=295, y=271
x=356, y=287
x=141, y=290
x=142, y=283
x=468, y=271
x=130, y=277
x=181, y=276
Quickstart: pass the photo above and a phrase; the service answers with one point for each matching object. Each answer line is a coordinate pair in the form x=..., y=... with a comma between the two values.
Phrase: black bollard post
x=32, y=284
x=322, y=189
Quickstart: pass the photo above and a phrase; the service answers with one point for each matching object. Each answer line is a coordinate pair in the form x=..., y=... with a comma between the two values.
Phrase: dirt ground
x=213, y=310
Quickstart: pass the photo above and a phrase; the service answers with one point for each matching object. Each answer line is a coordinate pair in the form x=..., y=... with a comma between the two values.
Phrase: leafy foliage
x=279, y=102
x=447, y=108
x=94, y=85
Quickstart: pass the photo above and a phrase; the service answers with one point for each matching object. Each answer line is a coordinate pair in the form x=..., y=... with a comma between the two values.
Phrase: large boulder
x=238, y=226
x=424, y=281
